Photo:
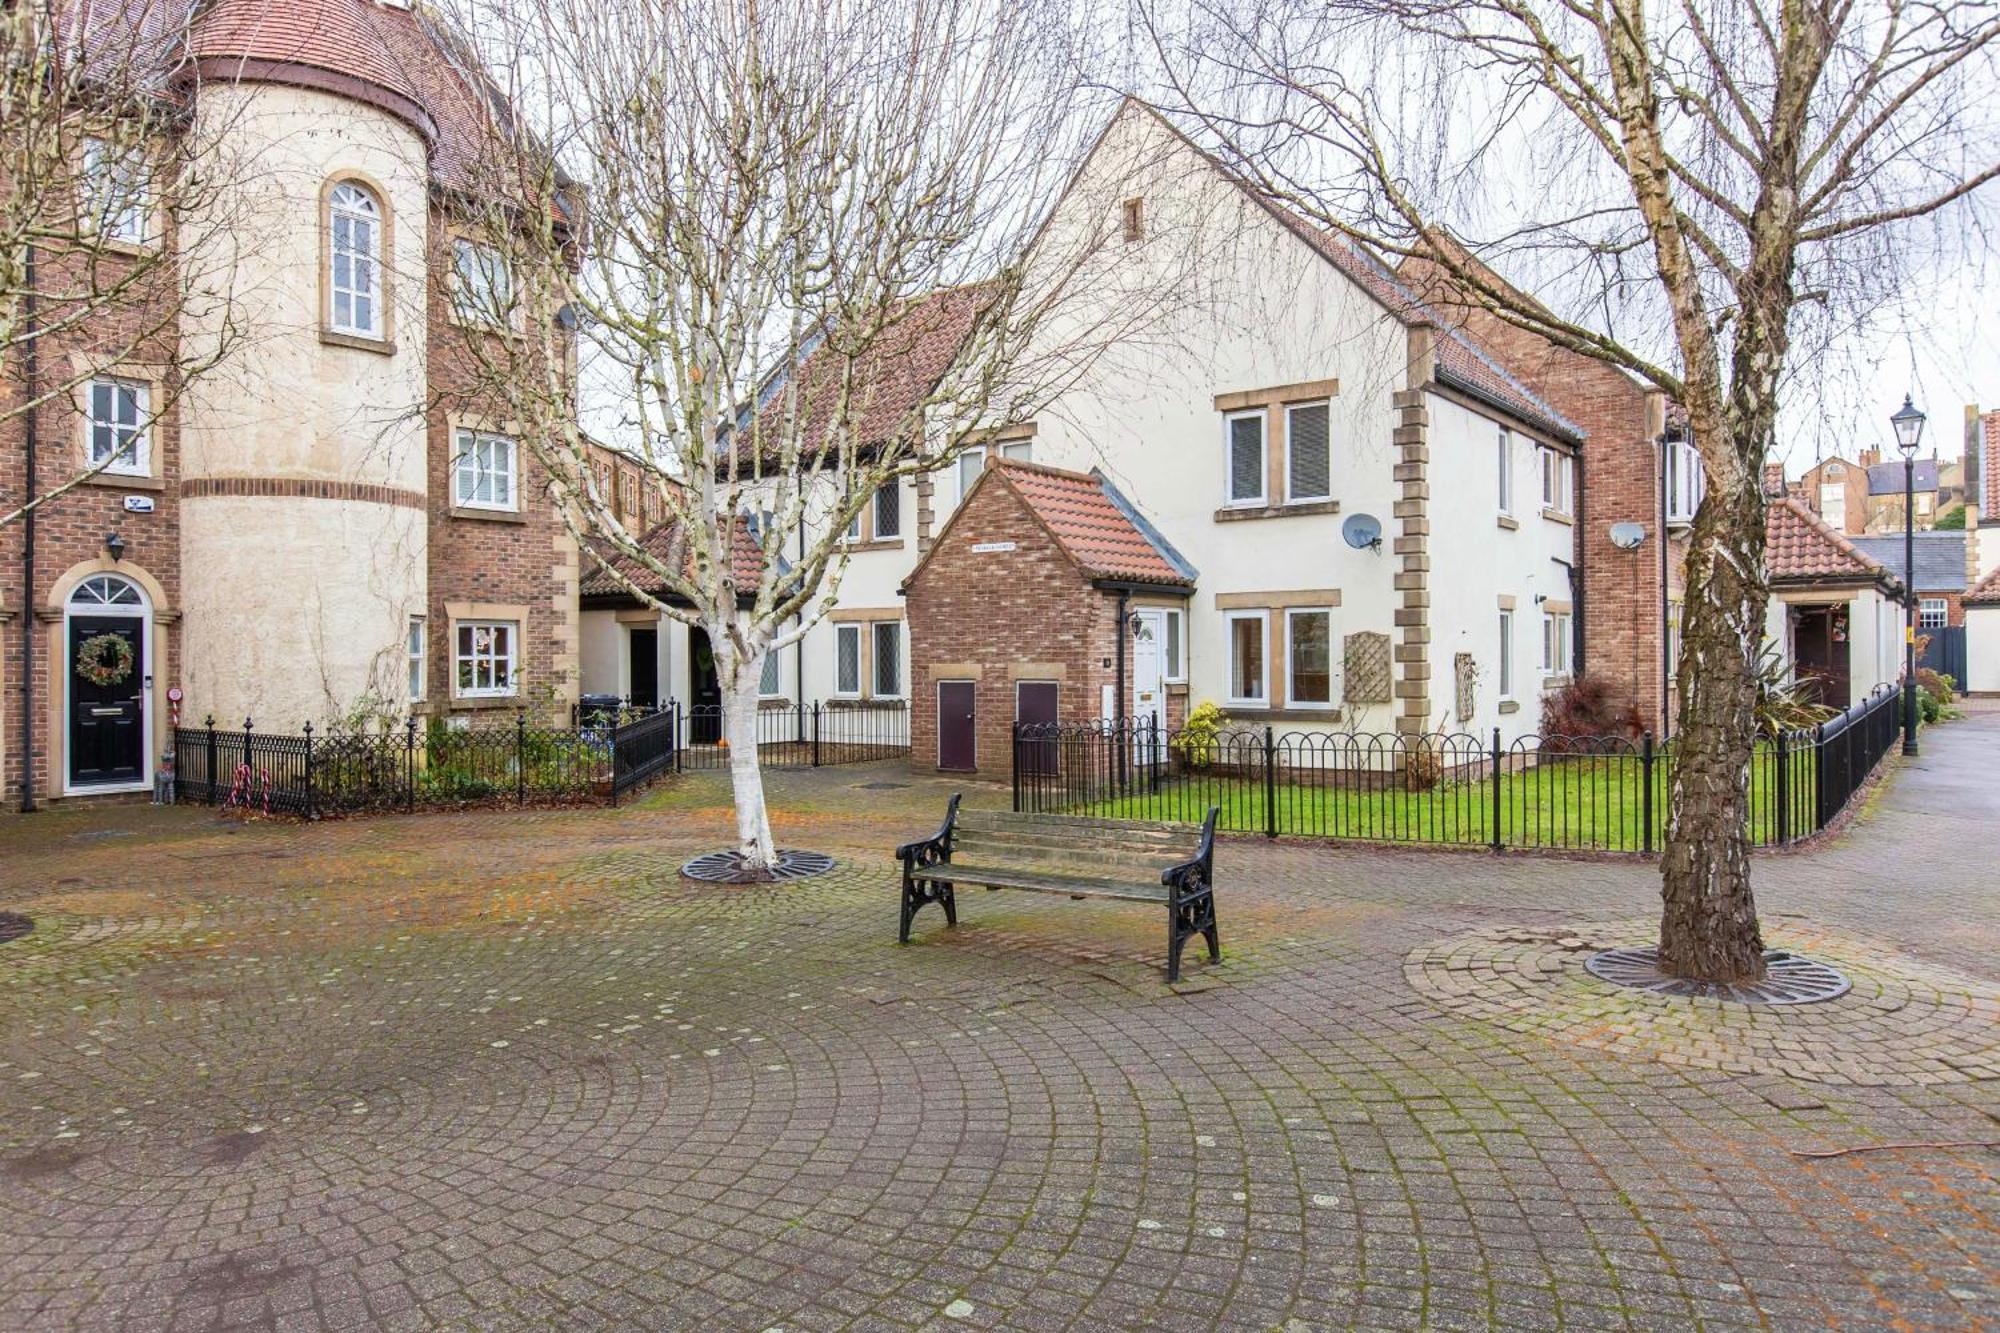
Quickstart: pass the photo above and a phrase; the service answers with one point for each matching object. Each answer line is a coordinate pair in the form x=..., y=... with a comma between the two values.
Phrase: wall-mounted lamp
x=114, y=545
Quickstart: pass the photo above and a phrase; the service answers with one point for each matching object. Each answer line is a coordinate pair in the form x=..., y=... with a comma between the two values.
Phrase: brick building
x=1039, y=601
x=331, y=525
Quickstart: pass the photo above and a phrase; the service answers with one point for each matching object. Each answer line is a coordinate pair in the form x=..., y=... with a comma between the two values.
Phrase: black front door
x=705, y=716
x=107, y=736
x=1819, y=653
x=645, y=668
x=1035, y=706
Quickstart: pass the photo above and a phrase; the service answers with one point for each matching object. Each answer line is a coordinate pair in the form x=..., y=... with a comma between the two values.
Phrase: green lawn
x=1581, y=802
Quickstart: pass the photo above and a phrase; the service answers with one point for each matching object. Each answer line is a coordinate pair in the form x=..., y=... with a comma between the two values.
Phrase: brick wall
x=71, y=530
x=525, y=558
x=1620, y=618
x=997, y=613
x=1853, y=481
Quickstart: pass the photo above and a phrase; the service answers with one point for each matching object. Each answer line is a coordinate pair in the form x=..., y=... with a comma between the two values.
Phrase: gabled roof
x=1801, y=547
x=1940, y=558
x=1090, y=522
x=667, y=543
x=892, y=376
x=1461, y=362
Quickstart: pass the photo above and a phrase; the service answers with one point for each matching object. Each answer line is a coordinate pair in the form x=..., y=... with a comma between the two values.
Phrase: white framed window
x=119, y=439
x=1555, y=643
x=1176, y=646
x=1308, y=657
x=771, y=681
x=1833, y=504
x=1249, y=671
x=1932, y=613
x=485, y=663
x=413, y=647
x=852, y=532
x=1558, y=480
x=114, y=191
x=1506, y=654
x=970, y=464
x=482, y=289
x=1308, y=452
x=483, y=471
x=1924, y=502
x=1243, y=433
x=354, y=260
x=888, y=659
x=888, y=511
x=1687, y=482
x=1504, y=470
x=1018, y=451
x=847, y=660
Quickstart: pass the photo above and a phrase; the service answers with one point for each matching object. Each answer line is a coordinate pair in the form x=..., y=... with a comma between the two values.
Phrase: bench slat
x=1009, y=819
x=1013, y=877
x=1180, y=842
x=1144, y=868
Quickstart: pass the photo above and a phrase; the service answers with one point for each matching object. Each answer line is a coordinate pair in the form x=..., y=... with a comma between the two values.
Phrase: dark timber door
x=705, y=718
x=1035, y=703
x=958, y=751
x=107, y=741
x=1819, y=649
x=645, y=668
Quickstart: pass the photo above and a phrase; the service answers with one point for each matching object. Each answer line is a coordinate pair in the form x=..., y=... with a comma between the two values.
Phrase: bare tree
x=1709, y=187
x=794, y=251
x=100, y=169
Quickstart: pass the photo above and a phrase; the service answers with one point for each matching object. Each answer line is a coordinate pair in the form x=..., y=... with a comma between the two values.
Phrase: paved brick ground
x=506, y=1070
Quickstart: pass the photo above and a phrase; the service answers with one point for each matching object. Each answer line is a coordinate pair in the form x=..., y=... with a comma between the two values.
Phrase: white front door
x=1149, y=689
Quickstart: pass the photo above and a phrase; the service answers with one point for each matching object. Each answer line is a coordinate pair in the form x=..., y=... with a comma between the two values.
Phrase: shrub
x=1586, y=709
x=1195, y=744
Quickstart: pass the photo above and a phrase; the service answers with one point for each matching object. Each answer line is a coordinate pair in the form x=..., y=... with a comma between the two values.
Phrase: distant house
x=1886, y=486
x=1836, y=490
x=1835, y=610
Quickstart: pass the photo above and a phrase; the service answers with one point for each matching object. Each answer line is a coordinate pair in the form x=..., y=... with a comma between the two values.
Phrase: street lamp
x=1909, y=424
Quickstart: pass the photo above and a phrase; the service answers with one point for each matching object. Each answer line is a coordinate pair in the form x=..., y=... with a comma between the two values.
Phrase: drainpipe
x=1666, y=635
x=1118, y=696
x=1579, y=651
x=799, y=648
x=30, y=369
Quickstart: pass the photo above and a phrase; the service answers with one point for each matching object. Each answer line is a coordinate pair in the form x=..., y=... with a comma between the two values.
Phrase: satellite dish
x=1627, y=536
x=1362, y=530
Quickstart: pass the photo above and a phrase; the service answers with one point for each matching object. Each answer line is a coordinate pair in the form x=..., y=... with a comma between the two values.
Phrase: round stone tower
x=303, y=493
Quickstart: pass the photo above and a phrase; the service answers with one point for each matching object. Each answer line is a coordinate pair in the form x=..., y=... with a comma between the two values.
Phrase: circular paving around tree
x=1901, y=1021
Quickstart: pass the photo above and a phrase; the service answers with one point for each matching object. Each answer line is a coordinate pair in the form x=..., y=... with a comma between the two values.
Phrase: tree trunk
x=1708, y=925
x=746, y=777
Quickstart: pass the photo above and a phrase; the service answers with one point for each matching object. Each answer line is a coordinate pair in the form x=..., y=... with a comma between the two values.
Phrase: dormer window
x=354, y=261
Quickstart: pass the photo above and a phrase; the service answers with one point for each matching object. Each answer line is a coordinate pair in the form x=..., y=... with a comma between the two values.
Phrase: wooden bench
x=1136, y=860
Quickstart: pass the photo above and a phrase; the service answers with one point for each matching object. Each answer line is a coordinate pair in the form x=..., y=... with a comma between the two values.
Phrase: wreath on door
x=104, y=659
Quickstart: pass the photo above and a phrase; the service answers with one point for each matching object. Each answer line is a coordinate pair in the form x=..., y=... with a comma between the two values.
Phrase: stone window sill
x=878, y=544
x=380, y=346
x=1510, y=706
x=1509, y=522
x=489, y=515
x=1281, y=714
x=1237, y=513
x=463, y=703
x=1558, y=516
x=125, y=481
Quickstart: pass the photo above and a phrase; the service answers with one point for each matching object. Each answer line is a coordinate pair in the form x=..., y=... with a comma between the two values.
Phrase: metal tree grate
x=1788, y=978
x=13, y=926
x=728, y=867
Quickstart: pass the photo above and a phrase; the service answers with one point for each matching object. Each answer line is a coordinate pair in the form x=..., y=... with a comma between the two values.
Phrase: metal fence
x=816, y=735
x=1603, y=793
x=605, y=754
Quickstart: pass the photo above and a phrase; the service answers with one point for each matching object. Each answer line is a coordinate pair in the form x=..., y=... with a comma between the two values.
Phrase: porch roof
x=1801, y=547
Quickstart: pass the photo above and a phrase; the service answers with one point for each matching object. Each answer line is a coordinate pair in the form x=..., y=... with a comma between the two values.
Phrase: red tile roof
x=667, y=543
x=892, y=375
x=1081, y=514
x=1986, y=592
x=1800, y=546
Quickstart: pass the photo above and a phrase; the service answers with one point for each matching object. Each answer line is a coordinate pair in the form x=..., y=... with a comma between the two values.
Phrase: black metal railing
x=1595, y=793
x=816, y=735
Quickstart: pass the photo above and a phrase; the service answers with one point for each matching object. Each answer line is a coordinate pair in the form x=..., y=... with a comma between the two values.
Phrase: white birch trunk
x=746, y=776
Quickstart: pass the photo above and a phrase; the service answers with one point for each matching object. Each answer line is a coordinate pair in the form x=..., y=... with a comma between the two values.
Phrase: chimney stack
x=1774, y=480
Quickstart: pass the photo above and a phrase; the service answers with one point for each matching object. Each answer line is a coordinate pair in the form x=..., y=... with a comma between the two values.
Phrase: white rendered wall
x=1982, y=649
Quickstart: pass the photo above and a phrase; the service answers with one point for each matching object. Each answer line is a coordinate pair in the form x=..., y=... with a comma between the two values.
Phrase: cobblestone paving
x=507, y=1070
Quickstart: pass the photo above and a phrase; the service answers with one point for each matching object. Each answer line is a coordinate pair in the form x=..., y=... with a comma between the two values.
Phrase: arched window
x=354, y=260
x=102, y=590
